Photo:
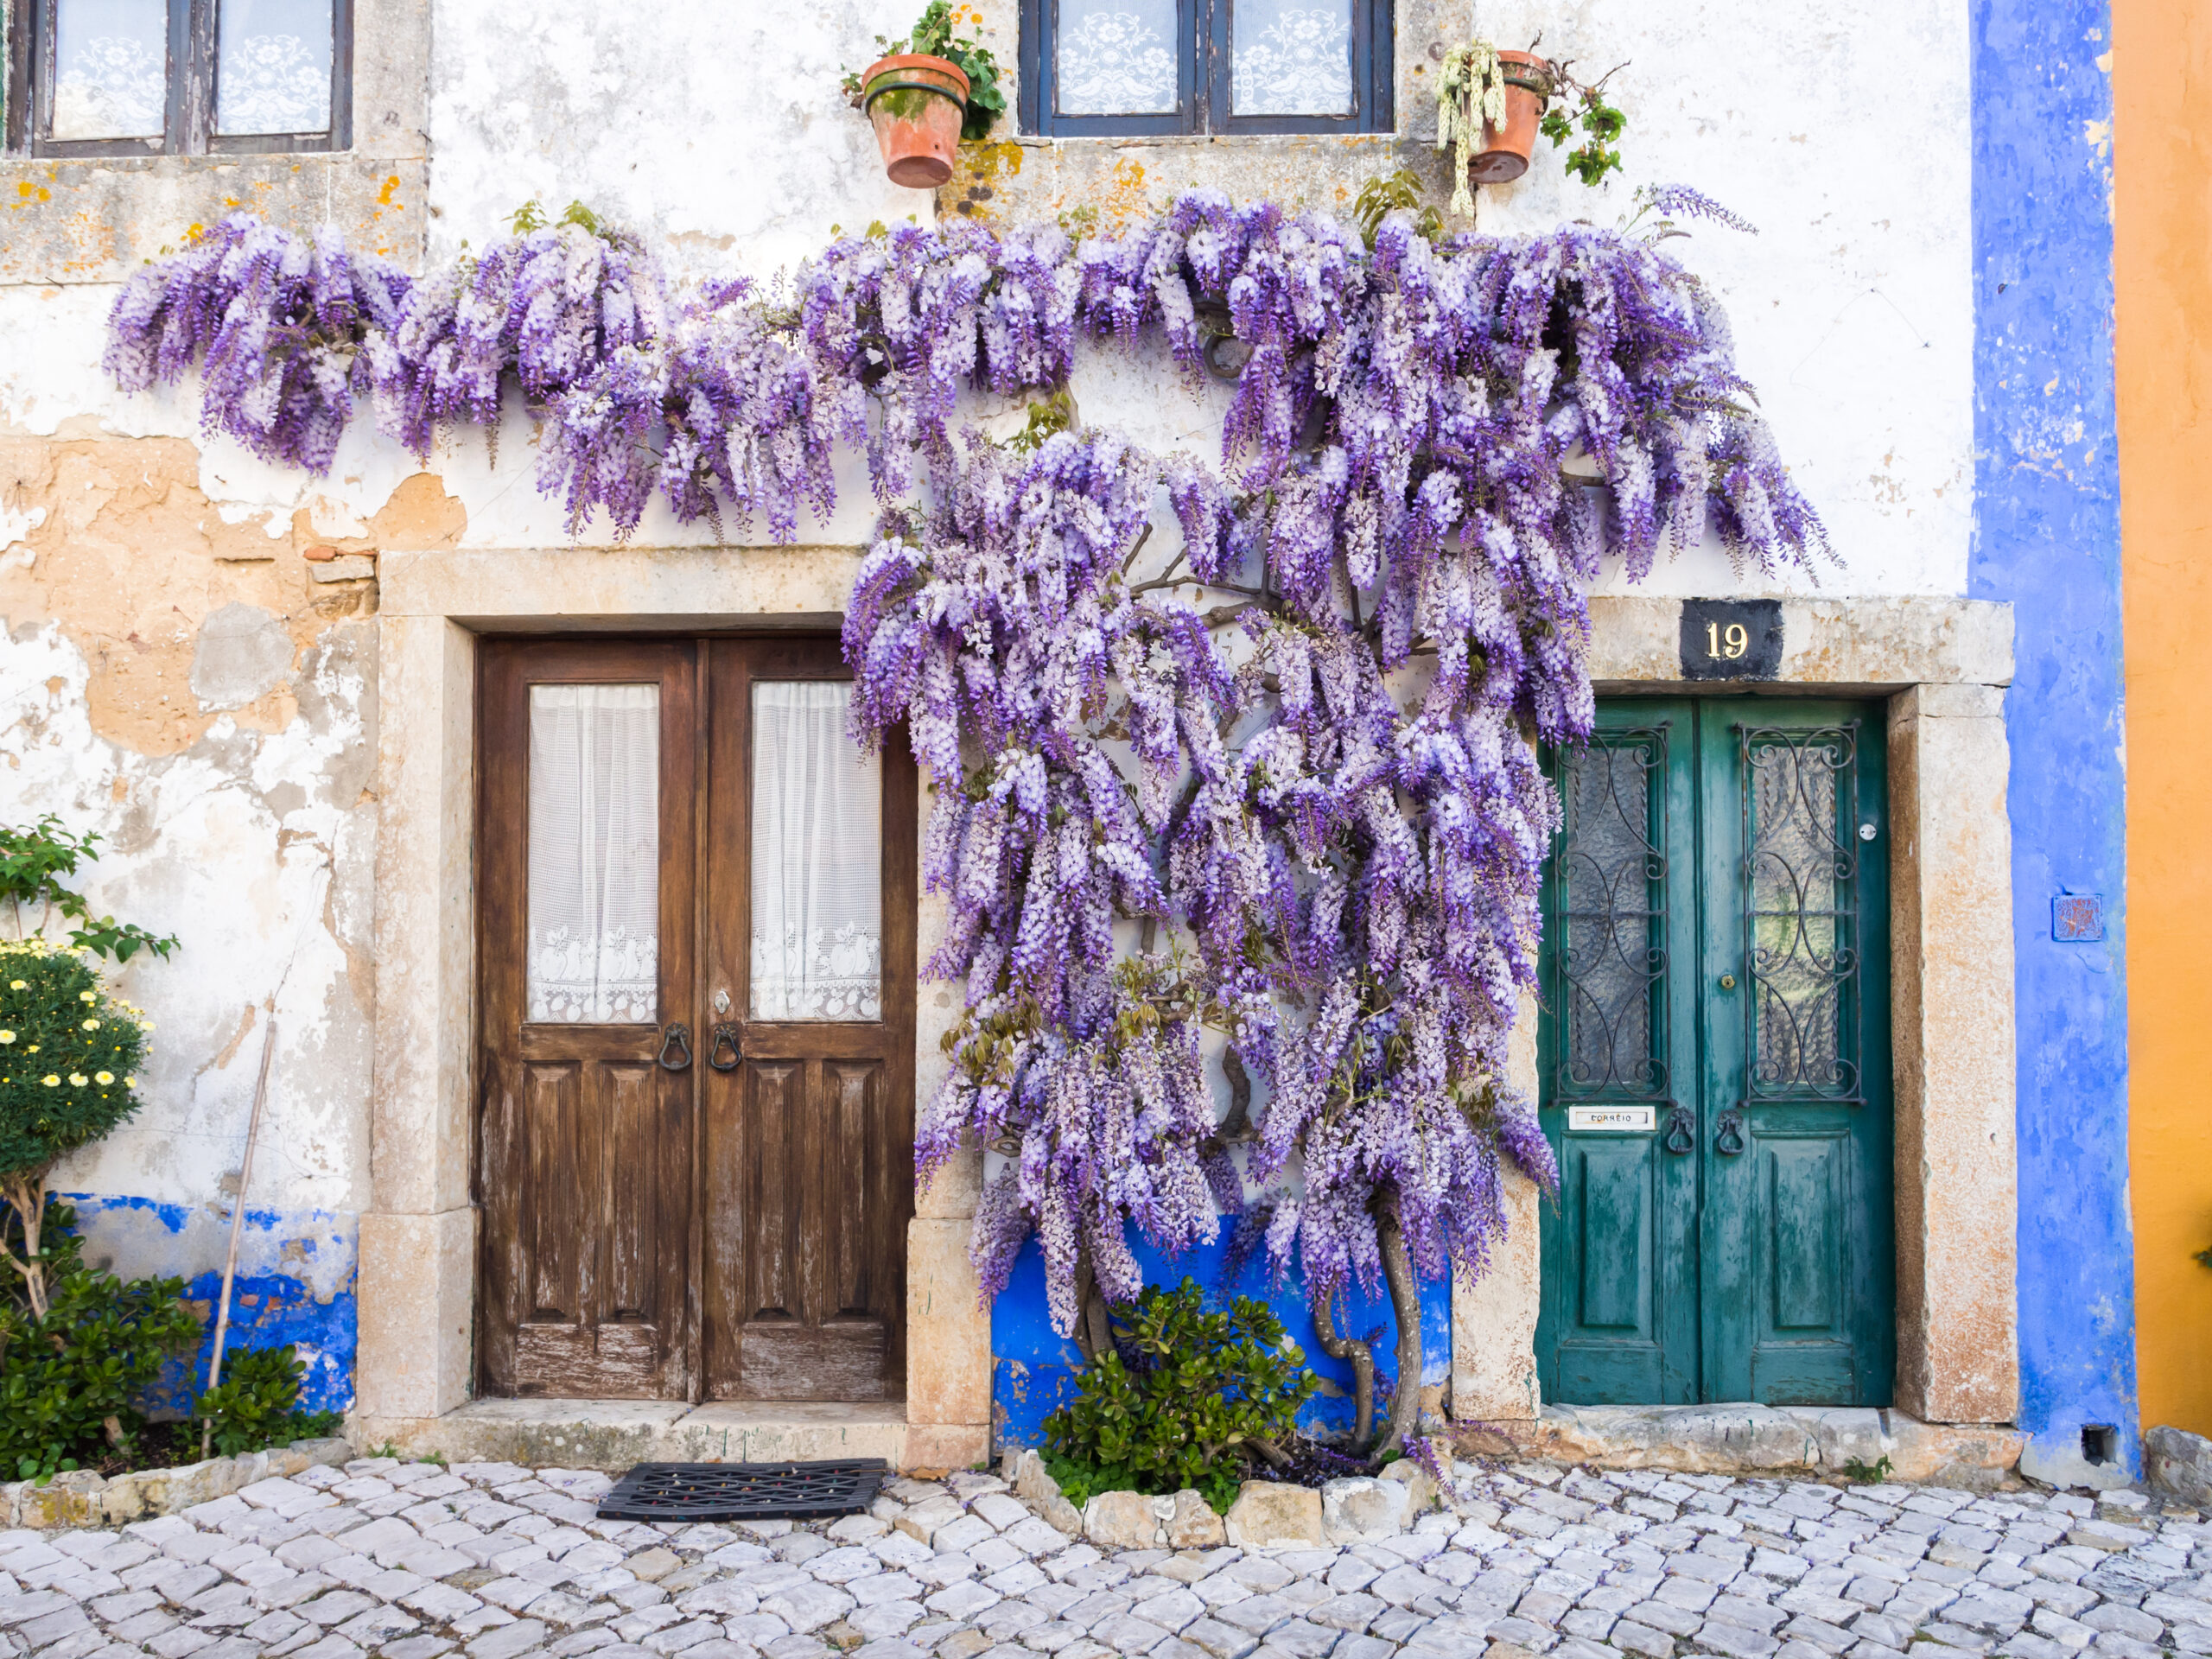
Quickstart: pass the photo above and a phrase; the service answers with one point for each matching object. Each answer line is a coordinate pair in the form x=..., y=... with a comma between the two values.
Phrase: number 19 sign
x=1731, y=638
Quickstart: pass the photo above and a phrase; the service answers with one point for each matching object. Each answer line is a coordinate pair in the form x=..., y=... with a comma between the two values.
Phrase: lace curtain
x=817, y=857
x=1292, y=57
x=1115, y=57
x=595, y=854
x=273, y=62
x=111, y=68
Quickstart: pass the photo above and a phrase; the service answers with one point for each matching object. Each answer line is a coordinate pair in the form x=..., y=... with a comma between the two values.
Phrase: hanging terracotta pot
x=916, y=103
x=1505, y=149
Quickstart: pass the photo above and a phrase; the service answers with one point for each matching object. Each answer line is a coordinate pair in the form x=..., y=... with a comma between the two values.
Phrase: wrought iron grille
x=743, y=1491
x=1801, y=920
x=1611, y=872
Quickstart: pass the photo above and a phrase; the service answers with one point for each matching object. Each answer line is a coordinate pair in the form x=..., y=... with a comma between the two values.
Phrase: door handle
x=1729, y=1141
x=675, y=1038
x=1682, y=1132
x=724, y=1031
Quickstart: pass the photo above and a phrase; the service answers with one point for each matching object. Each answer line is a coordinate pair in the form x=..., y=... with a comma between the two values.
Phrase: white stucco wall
x=716, y=132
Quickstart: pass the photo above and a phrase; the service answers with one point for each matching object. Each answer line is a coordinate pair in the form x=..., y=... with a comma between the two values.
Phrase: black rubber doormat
x=744, y=1491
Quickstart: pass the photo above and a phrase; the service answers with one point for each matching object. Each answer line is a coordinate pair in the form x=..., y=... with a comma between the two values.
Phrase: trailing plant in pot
x=928, y=93
x=1493, y=105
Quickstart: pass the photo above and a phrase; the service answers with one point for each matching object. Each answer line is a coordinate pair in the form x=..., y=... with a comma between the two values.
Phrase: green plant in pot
x=927, y=94
x=1493, y=105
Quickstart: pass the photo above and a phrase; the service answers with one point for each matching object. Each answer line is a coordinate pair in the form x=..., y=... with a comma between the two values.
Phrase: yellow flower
x=77, y=1079
x=7, y=1036
x=91, y=1025
x=130, y=1082
x=51, y=1081
x=104, y=1078
x=87, y=996
x=19, y=985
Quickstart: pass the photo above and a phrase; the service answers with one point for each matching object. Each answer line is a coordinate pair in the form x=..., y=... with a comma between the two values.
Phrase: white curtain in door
x=817, y=857
x=595, y=854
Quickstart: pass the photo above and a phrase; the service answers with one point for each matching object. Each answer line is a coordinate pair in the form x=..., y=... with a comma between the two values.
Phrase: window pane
x=111, y=68
x=817, y=857
x=1293, y=57
x=1803, y=862
x=272, y=72
x=1613, y=876
x=595, y=854
x=1115, y=57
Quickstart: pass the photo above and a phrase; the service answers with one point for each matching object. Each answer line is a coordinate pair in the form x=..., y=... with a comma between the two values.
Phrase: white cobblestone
x=492, y=1562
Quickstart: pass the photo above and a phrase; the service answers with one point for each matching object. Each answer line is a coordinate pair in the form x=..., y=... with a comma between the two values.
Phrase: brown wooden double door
x=696, y=935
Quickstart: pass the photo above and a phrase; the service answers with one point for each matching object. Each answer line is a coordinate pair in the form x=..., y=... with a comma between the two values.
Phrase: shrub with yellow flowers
x=70, y=1054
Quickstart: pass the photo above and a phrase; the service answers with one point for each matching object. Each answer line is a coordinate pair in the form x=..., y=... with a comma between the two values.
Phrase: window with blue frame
x=1111, y=68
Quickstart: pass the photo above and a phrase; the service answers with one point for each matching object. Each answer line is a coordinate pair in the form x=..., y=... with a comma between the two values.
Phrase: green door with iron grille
x=1715, y=1055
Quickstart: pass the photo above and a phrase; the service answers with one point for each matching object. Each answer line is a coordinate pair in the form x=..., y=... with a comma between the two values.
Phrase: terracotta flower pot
x=1505, y=149
x=916, y=103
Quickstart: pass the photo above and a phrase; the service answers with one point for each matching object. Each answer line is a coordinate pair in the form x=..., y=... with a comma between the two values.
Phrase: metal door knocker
x=1729, y=1142
x=676, y=1037
x=725, y=1033
x=1682, y=1132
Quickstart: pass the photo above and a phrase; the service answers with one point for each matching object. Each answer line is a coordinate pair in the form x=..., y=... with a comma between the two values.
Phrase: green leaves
x=256, y=1404
x=33, y=862
x=1188, y=1405
x=70, y=1380
x=69, y=1055
x=1602, y=125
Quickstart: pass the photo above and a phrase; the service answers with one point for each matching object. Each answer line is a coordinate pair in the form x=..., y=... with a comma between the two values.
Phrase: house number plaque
x=1731, y=638
x=1619, y=1119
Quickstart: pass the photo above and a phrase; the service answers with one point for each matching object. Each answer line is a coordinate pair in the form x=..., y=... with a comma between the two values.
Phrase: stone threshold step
x=614, y=1435
x=1747, y=1440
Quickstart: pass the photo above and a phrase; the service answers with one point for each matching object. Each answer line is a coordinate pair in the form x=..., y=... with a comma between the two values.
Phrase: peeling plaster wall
x=177, y=675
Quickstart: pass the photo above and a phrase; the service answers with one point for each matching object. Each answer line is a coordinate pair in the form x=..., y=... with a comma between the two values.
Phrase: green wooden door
x=1714, y=1046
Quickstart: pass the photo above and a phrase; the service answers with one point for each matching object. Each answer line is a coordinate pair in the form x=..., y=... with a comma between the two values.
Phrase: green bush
x=256, y=1404
x=1187, y=1408
x=69, y=1056
x=70, y=1377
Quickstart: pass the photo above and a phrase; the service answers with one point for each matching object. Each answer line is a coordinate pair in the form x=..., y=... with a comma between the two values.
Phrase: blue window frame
x=1137, y=67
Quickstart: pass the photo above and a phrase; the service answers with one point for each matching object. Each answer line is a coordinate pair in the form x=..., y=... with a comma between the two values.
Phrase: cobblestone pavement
x=414, y=1561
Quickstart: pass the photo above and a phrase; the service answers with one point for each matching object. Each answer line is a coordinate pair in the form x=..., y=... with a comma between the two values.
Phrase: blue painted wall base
x=1033, y=1369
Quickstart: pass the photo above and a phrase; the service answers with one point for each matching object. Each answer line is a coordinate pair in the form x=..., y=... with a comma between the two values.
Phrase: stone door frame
x=418, y=1274
x=1943, y=665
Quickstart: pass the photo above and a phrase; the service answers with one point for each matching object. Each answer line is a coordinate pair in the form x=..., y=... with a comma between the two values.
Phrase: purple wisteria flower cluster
x=1302, y=751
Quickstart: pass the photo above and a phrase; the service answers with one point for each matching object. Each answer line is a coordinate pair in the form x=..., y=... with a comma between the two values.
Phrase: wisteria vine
x=1279, y=780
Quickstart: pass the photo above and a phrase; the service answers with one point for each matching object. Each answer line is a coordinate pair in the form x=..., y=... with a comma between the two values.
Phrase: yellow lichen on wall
x=121, y=546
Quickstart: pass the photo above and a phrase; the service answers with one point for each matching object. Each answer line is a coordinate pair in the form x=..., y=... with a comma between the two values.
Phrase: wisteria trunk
x=1405, y=1305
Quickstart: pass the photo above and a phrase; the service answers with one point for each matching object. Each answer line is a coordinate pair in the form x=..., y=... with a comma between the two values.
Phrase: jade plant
x=1182, y=1397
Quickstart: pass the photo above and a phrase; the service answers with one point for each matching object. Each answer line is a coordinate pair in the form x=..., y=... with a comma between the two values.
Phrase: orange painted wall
x=2162, y=97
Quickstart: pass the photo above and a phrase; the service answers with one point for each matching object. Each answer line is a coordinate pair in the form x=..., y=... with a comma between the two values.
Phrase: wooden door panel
x=1617, y=1324
x=809, y=1161
x=1795, y=1225
x=585, y=1172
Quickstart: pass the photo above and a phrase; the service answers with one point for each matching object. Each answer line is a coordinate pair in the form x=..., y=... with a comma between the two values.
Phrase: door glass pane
x=1293, y=57
x=595, y=854
x=111, y=68
x=817, y=857
x=1115, y=57
x=272, y=67
x=1613, y=870
x=1802, y=862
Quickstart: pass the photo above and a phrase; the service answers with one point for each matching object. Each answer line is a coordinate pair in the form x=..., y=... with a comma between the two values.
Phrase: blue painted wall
x=1033, y=1368
x=294, y=1283
x=2047, y=539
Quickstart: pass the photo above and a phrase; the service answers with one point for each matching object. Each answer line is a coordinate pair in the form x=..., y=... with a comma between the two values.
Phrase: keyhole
x=1727, y=982
x=721, y=1001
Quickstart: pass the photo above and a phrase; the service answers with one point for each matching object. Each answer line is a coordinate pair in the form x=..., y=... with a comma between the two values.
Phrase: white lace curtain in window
x=595, y=854
x=817, y=857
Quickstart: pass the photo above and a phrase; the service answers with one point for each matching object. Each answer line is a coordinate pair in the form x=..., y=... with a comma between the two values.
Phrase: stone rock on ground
x=2177, y=1461
x=1269, y=1515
